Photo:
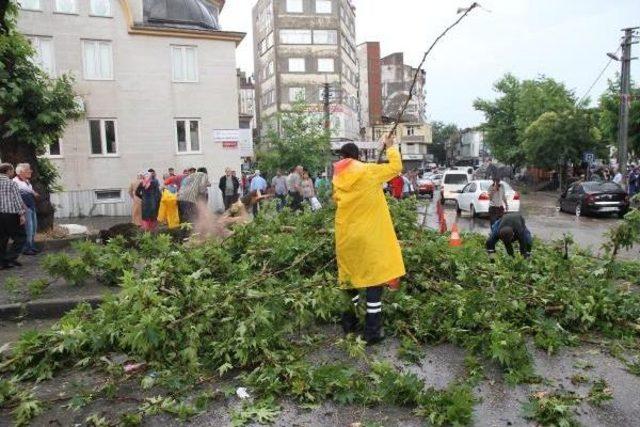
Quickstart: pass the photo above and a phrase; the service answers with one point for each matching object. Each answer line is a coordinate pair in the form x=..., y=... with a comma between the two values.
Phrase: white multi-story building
x=299, y=46
x=156, y=78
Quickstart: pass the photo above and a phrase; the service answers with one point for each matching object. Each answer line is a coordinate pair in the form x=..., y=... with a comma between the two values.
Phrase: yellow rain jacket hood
x=367, y=248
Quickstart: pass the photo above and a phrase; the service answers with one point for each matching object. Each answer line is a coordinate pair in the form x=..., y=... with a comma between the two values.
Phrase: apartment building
x=396, y=79
x=156, y=79
x=299, y=46
x=370, y=87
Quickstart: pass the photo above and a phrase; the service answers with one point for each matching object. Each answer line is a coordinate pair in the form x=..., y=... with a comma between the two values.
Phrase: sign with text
x=228, y=138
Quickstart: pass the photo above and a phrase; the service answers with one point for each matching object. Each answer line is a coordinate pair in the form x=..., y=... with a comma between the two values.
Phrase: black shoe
x=16, y=263
x=375, y=340
x=30, y=252
x=350, y=323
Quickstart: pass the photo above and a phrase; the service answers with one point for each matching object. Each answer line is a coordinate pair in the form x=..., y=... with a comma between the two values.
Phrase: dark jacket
x=223, y=184
x=150, y=200
x=520, y=233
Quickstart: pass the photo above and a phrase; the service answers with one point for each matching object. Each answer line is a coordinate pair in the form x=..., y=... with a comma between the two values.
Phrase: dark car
x=595, y=198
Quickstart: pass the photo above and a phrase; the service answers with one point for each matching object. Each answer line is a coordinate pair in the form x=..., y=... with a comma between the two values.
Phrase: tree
x=442, y=133
x=609, y=114
x=500, y=128
x=516, y=108
x=34, y=110
x=556, y=139
x=301, y=140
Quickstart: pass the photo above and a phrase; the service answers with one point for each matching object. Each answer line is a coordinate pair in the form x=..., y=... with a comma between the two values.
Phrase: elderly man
x=29, y=197
x=259, y=186
x=229, y=186
x=367, y=249
x=12, y=219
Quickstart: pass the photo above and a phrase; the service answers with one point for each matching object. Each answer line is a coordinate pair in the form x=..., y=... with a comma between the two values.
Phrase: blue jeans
x=31, y=226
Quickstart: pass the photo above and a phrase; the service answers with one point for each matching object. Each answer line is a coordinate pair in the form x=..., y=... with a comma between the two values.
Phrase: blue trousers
x=31, y=227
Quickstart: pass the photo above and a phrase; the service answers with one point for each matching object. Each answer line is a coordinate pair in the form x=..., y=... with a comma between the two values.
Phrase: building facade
x=471, y=146
x=370, y=87
x=299, y=46
x=415, y=139
x=396, y=81
x=155, y=78
x=246, y=101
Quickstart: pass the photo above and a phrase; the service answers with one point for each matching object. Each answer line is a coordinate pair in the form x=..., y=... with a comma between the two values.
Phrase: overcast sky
x=563, y=39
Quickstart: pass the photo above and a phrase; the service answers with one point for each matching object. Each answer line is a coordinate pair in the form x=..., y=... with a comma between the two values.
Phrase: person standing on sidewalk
x=29, y=198
x=279, y=184
x=367, y=249
x=12, y=219
x=136, y=202
x=259, y=186
x=294, y=181
x=229, y=185
x=498, y=204
x=149, y=192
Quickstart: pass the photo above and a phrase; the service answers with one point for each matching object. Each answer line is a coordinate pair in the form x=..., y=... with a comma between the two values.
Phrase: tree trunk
x=14, y=153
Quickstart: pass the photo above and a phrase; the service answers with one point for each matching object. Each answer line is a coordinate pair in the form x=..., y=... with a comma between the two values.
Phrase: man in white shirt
x=29, y=197
x=618, y=177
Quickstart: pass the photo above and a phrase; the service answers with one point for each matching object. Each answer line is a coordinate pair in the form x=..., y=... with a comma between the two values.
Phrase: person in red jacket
x=396, y=185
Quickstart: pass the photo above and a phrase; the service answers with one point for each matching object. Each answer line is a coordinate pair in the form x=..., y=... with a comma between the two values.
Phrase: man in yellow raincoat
x=367, y=248
x=168, y=211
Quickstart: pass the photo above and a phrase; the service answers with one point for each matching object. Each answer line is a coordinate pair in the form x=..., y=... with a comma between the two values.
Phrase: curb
x=45, y=309
x=58, y=244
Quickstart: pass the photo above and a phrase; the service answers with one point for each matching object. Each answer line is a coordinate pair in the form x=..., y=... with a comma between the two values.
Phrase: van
x=452, y=182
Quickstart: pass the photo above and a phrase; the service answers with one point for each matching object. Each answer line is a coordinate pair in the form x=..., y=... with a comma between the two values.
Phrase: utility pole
x=625, y=102
x=327, y=113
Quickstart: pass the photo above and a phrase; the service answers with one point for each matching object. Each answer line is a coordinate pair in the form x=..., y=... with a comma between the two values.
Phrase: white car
x=436, y=179
x=474, y=198
x=452, y=182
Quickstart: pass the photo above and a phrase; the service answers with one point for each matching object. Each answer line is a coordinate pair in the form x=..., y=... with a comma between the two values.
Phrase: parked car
x=452, y=182
x=595, y=198
x=426, y=187
x=474, y=198
x=436, y=179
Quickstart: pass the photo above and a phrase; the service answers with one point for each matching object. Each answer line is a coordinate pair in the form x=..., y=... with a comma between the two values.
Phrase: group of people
x=298, y=188
x=172, y=200
x=18, y=219
x=402, y=185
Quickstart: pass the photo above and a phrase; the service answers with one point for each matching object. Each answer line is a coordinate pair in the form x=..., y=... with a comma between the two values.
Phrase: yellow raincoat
x=169, y=209
x=367, y=248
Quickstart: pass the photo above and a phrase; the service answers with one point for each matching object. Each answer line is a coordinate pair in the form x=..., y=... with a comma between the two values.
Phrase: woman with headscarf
x=136, y=203
x=149, y=193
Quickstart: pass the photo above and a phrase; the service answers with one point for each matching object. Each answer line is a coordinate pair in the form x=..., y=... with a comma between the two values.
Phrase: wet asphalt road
x=544, y=220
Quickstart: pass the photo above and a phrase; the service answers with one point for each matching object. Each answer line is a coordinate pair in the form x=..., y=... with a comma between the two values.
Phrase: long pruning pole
x=417, y=73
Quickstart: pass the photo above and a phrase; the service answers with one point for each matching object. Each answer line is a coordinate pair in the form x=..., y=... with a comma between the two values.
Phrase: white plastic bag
x=315, y=204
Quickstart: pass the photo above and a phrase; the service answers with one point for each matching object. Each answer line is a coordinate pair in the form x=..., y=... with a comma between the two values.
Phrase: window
x=268, y=98
x=30, y=4
x=185, y=64
x=188, y=136
x=98, y=60
x=55, y=149
x=103, y=137
x=325, y=65
x=295, y=36
x=268, y=70
x=325, y=37
x=66, y=6
x=296, y=93
x=266, y=44
x=331, y=95
x=108, y=196
x=43, y=57
x=411, y=131
x=323, y=6
x=296, y=65
x=101, y=7
x=294, y=6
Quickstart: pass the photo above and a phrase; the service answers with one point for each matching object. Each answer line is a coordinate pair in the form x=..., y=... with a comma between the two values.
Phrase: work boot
x=373, y=328
x=350, y=322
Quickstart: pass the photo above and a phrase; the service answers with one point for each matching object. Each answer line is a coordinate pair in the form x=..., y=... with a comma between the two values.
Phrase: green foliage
x=28, y=408
x=252, y=304
x=36, y=287
x=453, y=406
x=12, y=284
x=555, y=409
x=262, y=412
x=536, y=122
x=625, y=235
x=34, y=108
x=409, y=351
x=298, y=138
x=442, y=133
x=600, y=393
x=74, y=270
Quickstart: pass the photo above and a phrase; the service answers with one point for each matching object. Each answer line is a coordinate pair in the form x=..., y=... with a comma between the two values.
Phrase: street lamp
x=613, y=56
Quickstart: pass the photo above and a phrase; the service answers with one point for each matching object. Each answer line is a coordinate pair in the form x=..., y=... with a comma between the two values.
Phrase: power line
x=597, y=79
